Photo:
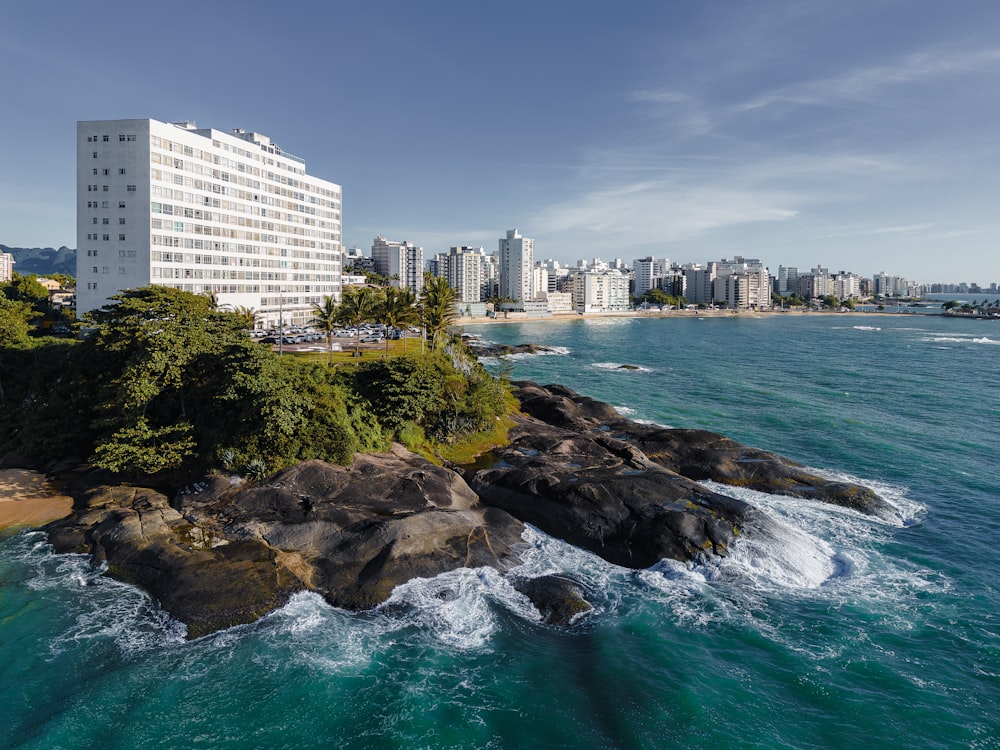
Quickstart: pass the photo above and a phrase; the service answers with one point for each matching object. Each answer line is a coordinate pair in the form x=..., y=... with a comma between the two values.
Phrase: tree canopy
x=169, y=382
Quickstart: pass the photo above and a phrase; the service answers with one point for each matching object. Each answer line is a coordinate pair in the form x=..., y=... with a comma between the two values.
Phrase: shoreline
x=28, y=499
x=523, y=318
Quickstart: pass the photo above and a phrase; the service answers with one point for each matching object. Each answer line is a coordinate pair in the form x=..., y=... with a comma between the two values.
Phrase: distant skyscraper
x=516, y=263
x=204, y=211
x=402, y=262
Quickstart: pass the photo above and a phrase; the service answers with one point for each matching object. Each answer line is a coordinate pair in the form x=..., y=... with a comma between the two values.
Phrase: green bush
x=412, y=436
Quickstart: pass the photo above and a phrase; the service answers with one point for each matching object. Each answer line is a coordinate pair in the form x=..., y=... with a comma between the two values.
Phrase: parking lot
x=309, y=339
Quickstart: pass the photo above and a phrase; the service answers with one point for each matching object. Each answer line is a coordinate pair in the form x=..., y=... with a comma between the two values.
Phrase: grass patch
x=467, y=450
x=345, y=356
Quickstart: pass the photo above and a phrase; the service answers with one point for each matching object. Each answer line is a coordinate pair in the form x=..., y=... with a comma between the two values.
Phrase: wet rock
x=227, y=555
x=699, y=455
x=559, y=599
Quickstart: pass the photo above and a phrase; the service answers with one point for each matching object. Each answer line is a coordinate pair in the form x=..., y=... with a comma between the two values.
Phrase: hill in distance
x=42, y=260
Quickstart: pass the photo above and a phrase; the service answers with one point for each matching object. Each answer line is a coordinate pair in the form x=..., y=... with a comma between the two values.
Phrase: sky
x=860, y=135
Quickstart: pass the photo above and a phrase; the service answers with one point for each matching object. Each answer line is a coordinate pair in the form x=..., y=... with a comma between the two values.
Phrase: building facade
x=6, y=267
x=649, y=273
x=601, y=291
x=400, y=262
x=517, y=259
x=204, y=211
x=467, y=271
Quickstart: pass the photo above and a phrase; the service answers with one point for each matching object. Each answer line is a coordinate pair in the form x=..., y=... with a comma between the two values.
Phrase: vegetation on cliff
x=167, y=381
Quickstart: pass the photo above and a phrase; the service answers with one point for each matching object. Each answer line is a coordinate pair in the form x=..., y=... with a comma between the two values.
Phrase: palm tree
x=325, y=318
x=398, y=311
x=437, y=306
x=357, y=307
x=247, y=315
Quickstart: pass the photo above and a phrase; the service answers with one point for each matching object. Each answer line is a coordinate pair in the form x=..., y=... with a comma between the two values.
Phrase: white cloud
x=867, y=82
x=646, y=212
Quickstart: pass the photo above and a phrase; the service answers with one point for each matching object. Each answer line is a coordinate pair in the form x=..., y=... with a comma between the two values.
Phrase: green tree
x=27, y=289
x=15, y=317
x=437, y=308
x=357, y=307
x=325, y=318
x=149, y=339
x=247, y=316
x=399, y=311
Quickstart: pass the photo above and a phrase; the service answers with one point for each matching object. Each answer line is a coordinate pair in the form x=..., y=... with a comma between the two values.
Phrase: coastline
x=524, y=318
x=28, y=499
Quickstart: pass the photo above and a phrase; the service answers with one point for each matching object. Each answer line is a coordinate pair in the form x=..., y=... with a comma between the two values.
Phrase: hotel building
x=205, y=211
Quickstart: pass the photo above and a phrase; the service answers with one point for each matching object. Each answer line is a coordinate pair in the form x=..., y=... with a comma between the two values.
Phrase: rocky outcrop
x=604, y=495
x=224, y=555
x=559, y=599
x=482, y=349
x=698, y=455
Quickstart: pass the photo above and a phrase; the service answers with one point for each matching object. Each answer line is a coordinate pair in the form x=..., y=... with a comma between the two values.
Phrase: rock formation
x=227, y=553
x=224, y=555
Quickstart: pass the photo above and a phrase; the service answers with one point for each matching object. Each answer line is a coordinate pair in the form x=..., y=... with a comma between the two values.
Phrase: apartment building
x=400, y=262
x=601, y=291
x=6, y=267
x=517, y=259
x=205, y=211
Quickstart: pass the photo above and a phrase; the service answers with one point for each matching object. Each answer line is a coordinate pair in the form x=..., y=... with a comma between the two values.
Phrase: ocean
x=840, y=631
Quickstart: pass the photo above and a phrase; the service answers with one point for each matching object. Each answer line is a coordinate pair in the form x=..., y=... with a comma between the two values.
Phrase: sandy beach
x=27, y=499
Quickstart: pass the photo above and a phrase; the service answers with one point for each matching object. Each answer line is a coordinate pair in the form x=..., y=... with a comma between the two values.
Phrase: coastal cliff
x=226, y=553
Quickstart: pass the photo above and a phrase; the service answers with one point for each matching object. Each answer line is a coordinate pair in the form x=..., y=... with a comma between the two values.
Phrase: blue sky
x=860, y=135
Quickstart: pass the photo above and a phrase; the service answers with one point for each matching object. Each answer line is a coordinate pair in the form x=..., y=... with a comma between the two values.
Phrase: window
x=95, y=269
x=92, y=285
x=130, y=137
x=121, y=204
x=121, y=220
x=121, y=269
x=121, y=137
x=95, y=154
x=104, y=138
x=95, y=219
x=95, y=170
x=105, y=188
x=121, y=237
x=105, y=220
x=104, y=204
x=105, y=237
x=107, y=172
x=121, y=171
x=131, y=188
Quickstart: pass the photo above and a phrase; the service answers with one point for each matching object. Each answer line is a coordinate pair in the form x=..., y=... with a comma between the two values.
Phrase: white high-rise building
x=517, y=258
x=6, y=267
x=205, y=211
x=649, y=273
x=467, y=271
x=600, y=291
x=401, y=262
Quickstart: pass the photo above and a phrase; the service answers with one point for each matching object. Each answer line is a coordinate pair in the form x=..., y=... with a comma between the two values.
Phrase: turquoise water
x=839, y=632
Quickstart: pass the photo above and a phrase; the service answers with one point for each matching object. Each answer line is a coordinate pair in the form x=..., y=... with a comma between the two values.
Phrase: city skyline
x=857, y=137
